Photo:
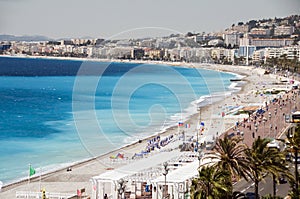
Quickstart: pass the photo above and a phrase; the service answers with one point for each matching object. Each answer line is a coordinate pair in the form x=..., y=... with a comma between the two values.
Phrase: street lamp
x=242, y=134
x=165, y=173
x=198, y=128
x=270, y=123
x=275, y=127
x=255, y=127
x=200, y=157
x=121, y=187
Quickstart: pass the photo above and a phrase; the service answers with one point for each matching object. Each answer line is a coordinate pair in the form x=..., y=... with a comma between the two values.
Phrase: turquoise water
x=76, y=110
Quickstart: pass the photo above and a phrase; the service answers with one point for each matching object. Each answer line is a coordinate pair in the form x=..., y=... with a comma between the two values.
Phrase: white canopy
x=138, y=166
x=187, y=171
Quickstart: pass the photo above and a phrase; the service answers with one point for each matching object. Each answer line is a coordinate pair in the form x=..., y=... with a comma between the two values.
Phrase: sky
x=112, y=19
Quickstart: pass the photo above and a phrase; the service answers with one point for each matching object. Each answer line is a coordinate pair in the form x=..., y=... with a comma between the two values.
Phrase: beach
x=63, y=181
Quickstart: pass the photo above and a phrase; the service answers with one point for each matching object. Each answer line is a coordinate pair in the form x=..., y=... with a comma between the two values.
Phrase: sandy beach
x=63, y=181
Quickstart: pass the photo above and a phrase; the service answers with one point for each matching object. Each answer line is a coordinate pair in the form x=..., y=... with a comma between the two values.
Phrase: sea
x=55, y=112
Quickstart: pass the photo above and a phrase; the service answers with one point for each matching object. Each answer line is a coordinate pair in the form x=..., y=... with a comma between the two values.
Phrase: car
x=231, y=135
x=250, y=195
x=273, y=144
x=209, y=145
x=282, y=180
x=294, y=159
x=288, y=157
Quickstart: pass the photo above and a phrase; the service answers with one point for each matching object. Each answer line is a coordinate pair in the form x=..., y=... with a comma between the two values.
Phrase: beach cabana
x=177, y=181
x=107, y=183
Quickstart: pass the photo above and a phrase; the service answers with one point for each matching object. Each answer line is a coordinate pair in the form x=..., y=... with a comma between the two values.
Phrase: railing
x=38, y=195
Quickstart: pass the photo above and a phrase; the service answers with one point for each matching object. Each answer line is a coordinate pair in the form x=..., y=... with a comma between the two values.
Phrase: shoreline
x=191, y=119
x=206, y=101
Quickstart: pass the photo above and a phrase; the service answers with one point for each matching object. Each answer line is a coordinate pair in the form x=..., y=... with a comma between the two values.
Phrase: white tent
x=108, y=182
x=176, y=181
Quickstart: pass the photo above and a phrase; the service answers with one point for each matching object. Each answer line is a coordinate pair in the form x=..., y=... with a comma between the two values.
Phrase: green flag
x=31, y=171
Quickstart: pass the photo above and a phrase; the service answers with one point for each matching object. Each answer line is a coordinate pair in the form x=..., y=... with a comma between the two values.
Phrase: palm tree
x=230, y=153
x=238, y=195
x=212, y=183
x=263, y=160
x=294, y=142
x=271, y=197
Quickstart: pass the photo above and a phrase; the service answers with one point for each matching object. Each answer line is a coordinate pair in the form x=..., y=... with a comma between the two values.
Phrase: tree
x=294, y=142
x=189, y=34
x=271, y=197
x=230, y=152
x=283, y=61
x=212, y=183
x=263, y=160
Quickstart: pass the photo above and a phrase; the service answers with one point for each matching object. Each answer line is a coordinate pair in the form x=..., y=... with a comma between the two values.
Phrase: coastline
x=208, y=109
x=159, y=131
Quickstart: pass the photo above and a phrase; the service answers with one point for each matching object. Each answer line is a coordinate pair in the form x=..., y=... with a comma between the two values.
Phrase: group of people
x=270, y=118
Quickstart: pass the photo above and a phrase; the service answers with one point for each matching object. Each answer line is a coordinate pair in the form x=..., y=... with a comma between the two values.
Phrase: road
x=265, y=187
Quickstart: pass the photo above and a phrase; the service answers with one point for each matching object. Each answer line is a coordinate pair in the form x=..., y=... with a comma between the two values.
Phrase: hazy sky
x=132, y=18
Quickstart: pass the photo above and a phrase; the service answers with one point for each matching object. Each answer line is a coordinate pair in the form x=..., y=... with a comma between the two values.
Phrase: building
x=199, y=38
x=258, y=56
x=273, y=52
x=291, y=52
x=260, y=32
x=156, y=54
x=66, y=42
x=4, y=46
x=284, y=30
x=246, y=51
x=232, y=39
x=215, y=42
x=137, y=53
x=268, y=42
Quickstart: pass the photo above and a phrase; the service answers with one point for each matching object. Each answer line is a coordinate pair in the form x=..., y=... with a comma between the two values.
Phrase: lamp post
x=270, y=116
x=242, y=134
x=200, y=157
x=121, y=187
x=275, y=127
x=264, y=121
x=165, y=173
x=256, y=128
x=198, y=128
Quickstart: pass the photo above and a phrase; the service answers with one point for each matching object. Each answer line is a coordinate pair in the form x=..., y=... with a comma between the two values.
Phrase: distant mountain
x=24, y=38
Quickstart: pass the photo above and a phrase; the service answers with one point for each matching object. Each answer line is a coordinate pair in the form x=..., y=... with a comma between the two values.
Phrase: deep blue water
x=60, y=111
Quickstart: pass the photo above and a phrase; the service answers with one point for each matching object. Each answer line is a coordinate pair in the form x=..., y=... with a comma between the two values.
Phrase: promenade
x=271, y=122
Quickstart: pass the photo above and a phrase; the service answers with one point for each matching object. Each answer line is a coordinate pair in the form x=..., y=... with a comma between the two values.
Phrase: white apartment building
x=273, y=52
x=284, y=30
x=258, y=56
x=260, y=31
x=291, y=52
x=232, y=39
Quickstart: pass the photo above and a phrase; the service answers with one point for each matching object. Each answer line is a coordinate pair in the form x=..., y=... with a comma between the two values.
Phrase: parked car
x=288, y=157
x=250, y=195
x=294, y=159
x=282, y=179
